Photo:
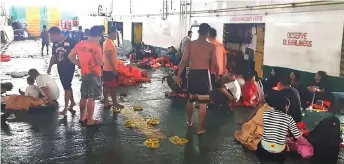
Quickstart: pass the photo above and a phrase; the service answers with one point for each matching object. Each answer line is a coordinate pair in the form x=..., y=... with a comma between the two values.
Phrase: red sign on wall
x=297, y=39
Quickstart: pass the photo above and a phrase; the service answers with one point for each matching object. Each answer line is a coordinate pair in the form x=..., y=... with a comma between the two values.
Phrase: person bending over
x=230, y=88
x=200, y=55
x=89, y=60
x=46, y=84
x=62, y=45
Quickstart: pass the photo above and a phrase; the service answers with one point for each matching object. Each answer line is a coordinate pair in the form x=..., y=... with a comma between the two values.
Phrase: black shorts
x=45, y=44
x=110, y=79
x=199, y=85
x=215, y=84
x=66, y=73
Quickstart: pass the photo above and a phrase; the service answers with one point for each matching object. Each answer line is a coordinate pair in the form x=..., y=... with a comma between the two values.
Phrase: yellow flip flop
x=129, y=124
x=319, y=110
x=152, y=121
x=137, y=108
x=152, y=143
x=116, y=110
x=178, y=141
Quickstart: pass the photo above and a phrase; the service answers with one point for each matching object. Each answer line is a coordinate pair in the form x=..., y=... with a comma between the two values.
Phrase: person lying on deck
x=31, y=90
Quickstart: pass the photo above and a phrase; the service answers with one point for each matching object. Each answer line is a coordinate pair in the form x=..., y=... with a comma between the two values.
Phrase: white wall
x=9, y=32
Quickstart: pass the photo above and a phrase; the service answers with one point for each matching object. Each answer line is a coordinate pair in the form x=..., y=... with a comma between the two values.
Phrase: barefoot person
x=110, y=70
x=198, y=55
x=61, y=47
x=89, y=60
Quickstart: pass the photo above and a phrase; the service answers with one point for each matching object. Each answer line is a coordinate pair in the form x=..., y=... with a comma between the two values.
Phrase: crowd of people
x=203, y=76
x=97, y=59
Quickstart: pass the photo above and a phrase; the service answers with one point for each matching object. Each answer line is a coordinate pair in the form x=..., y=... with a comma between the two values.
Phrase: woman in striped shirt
x=276, y=124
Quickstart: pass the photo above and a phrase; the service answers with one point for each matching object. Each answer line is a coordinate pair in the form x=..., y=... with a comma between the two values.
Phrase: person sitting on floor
x=271, y=81
x=252, y=131
x=31, y=90
x=317, y=90
x=276, y=124
x=171, y=82
x=250, y=91
x=293, y=95
x=229, y=92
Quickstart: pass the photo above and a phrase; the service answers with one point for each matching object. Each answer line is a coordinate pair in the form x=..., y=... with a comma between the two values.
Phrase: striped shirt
x=276, y=125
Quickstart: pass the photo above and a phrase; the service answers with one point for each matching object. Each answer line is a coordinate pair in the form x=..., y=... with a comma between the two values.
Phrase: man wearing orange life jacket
x=220, y=56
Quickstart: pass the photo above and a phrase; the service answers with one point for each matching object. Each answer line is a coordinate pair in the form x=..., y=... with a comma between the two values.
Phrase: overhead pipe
x=249, y=8
x=274, y=6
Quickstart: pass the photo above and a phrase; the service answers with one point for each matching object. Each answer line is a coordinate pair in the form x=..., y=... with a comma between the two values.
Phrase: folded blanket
x=19, y=102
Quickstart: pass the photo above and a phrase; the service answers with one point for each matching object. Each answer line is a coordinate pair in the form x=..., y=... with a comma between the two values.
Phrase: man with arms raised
x=110, y=70
x=200, y=55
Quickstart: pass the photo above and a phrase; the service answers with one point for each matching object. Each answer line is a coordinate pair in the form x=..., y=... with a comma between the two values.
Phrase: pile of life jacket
x=131, y=76
x=155, y=63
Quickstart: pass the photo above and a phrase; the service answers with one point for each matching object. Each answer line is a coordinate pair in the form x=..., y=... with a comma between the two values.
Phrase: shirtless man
x=200, y=55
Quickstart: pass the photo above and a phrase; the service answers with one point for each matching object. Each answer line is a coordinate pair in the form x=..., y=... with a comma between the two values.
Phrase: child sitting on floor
x=31, y=90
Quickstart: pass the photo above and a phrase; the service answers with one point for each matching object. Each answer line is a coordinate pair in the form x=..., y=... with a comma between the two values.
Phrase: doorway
x=119, y=28
x=136, y=33
x=246, y=44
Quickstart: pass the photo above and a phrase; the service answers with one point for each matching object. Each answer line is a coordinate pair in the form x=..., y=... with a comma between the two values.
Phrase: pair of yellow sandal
x=137, y=108
x=152, y=143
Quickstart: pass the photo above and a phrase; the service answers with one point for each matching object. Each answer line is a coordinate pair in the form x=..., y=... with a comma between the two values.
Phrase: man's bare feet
x=189, y=123
x=201, y=131
x=118, y=106
x=64, y=112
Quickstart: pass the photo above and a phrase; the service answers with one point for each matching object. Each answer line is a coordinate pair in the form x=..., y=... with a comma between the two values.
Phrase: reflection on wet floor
x=44, y=138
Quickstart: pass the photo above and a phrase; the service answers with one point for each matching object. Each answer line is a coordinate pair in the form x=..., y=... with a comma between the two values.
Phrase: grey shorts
x=91, y=87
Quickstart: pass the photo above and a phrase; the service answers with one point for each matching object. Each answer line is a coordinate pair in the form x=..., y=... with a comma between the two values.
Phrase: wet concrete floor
x=44, y=138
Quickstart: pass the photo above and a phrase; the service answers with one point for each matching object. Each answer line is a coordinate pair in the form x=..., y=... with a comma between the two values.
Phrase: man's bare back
x=201, y=54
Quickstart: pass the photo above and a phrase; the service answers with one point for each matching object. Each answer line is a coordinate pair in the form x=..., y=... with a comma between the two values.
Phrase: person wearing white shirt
x=46, y=84
x=231, y=88
x=31, y=90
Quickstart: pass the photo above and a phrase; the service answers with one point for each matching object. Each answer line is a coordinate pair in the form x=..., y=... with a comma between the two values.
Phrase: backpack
x=325, y=139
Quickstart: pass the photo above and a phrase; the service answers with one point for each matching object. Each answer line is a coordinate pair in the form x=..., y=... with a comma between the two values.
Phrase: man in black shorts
x=200, y=55
x=61, y=48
